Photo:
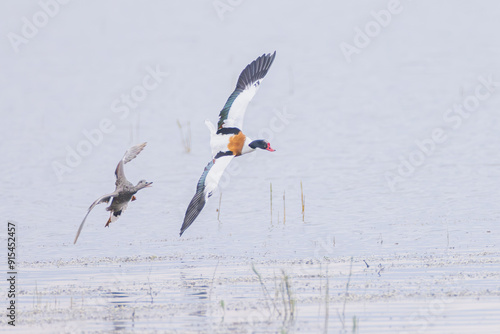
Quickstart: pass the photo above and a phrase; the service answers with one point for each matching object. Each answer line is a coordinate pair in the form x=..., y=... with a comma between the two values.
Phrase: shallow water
x=348, y=124
x=210, y=293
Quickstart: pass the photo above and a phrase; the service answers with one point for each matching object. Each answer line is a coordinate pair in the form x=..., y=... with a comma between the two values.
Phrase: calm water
x=337, y=127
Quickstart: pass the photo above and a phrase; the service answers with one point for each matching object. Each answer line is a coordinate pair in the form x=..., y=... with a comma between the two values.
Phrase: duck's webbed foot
x=133, y=198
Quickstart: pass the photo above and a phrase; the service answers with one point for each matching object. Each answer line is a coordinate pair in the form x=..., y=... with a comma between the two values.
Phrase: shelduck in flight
x=124, y=191
x=228, y=141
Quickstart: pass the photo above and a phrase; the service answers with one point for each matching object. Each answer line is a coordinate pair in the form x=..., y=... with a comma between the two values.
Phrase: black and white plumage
x=124, y=190
x=231, y=116
x=227, y=140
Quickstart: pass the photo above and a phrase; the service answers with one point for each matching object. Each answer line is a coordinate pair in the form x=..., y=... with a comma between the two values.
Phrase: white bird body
x=219, y=142
x=227, y=140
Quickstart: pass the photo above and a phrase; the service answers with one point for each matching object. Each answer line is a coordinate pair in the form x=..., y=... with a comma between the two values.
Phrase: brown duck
x=124, y=191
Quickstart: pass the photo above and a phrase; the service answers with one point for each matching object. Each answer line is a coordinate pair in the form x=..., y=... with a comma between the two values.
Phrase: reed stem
x=284, y=209
x=271, y=200
x=303, y=202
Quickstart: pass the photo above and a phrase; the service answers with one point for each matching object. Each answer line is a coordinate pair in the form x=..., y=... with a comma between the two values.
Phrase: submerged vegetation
x=185, y=131
x=283, y=303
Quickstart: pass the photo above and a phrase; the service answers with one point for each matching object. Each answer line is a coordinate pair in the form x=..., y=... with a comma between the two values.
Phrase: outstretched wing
x=127, y=157
x=102, y=199
x=231, y=116
x=206, y=185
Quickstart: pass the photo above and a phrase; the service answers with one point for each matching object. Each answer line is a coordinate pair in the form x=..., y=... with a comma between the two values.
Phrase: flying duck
x=227, y=141
x=124, y=191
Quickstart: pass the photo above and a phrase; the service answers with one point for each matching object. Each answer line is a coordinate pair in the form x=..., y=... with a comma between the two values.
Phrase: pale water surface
x=430, y=242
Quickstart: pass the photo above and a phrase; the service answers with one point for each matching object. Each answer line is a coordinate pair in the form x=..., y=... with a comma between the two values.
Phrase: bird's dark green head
x=262, y=144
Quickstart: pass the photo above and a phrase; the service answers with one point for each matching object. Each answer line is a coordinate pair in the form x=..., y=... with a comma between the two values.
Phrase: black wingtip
x=255, y=70
x=193, y=210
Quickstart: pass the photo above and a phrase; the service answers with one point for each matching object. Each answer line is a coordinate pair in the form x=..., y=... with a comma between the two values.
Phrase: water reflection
x=196, y=287
x=123, y=301
x=119, y=325
x=119, y=299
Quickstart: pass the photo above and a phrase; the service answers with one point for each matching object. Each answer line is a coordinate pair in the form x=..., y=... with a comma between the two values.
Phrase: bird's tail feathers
x=211, y=127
